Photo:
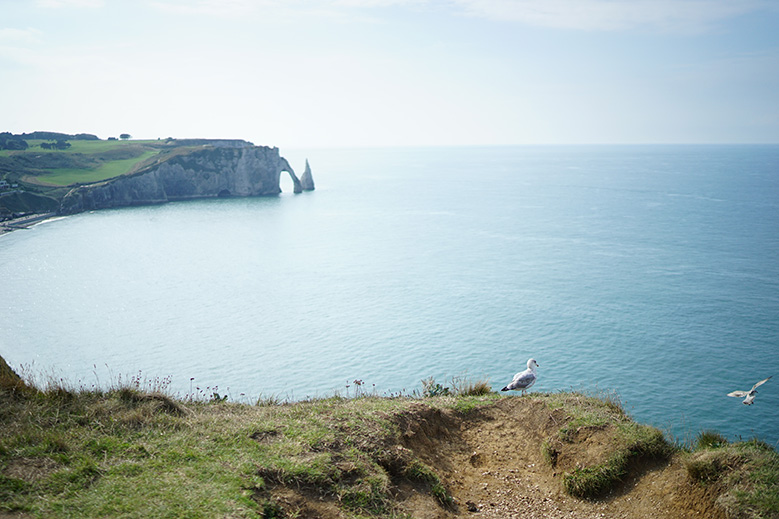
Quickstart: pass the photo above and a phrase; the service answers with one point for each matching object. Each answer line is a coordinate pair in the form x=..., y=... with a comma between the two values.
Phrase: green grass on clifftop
x=745, y=473
x=84, y=162
x=132, y=451
x=42, y=176
x=629, y=441
x=103, y=171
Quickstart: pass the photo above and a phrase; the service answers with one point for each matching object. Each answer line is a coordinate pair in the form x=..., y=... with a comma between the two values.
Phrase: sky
x=352, y=73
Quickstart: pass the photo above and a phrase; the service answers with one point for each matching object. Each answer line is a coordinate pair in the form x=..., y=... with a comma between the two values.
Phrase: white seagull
x=524, y=379
x=750, y=395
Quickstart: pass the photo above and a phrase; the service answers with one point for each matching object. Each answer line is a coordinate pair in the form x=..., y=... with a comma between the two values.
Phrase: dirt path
x=494, y=467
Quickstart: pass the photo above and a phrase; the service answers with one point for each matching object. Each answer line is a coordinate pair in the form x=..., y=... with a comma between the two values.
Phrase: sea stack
x=306, y=180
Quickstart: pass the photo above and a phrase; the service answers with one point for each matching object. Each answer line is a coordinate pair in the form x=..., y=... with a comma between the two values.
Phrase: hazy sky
x=296, y=73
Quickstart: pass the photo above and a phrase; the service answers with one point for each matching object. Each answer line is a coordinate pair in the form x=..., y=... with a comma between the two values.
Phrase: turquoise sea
x=651, y=271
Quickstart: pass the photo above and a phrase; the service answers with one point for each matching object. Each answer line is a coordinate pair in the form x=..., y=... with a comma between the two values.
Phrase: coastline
x=24, y=222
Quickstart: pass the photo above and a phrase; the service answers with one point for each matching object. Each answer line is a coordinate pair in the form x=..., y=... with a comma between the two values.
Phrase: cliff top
x=134, y=451
x=38, y=170
x=44, y=166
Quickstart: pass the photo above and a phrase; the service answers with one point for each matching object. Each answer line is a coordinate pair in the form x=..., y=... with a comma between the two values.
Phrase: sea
x=645, y=273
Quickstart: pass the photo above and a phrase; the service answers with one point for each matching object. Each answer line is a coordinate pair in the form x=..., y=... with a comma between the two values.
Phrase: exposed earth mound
x=492, y=462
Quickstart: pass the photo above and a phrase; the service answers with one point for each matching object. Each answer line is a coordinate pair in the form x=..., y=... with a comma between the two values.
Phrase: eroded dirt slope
x=493, y=465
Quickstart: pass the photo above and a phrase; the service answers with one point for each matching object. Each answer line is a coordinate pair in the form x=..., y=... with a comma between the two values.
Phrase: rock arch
x=297, y=186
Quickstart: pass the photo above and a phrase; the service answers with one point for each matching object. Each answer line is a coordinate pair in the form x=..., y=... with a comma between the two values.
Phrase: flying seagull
x=524, y=379
x=750, y=395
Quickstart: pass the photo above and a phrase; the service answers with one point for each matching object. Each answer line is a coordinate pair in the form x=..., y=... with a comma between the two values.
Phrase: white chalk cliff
x=203, y=172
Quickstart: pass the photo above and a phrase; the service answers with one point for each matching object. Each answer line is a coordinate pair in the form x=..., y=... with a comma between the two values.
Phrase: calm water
x=652, y=271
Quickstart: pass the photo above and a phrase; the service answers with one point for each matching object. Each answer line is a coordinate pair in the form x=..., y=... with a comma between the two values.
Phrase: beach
x=24, y=222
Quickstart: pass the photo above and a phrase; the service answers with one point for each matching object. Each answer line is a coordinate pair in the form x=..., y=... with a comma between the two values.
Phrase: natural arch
x=297, y=186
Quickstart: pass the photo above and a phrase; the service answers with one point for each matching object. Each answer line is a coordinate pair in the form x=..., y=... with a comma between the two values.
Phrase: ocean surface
x=649, y=271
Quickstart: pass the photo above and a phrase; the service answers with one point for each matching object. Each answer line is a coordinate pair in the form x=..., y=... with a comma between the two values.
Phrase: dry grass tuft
x=463, y=386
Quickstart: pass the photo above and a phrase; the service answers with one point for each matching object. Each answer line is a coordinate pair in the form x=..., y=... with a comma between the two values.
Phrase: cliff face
x=209, y=172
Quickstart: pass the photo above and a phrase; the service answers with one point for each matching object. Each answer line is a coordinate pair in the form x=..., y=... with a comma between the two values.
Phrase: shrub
x=431, y=388
x=710, y=440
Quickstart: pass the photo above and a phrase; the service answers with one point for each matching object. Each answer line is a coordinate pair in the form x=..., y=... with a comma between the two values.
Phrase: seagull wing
x=522, y=380
x=739, y=394
x=761, y=383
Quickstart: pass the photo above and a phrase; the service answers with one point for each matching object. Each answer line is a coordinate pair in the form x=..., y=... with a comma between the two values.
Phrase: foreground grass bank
x=129, y=453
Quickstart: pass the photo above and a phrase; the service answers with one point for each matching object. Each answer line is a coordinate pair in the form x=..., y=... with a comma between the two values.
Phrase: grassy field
x=87, y=147
x=104, y=171
x=83, y=162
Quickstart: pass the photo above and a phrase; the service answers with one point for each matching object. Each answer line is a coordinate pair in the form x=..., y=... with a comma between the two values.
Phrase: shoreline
x=24, y=222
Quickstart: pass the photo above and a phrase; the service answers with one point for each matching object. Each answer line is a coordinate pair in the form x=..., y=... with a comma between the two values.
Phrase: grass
x=629, y=441
x=633, y=442
x=132, y=452
x=101, y=160
x=746, y=474
x=44, y=176
x=89, y=147
x=84, y=162
x=106, y=170
x=460, y=385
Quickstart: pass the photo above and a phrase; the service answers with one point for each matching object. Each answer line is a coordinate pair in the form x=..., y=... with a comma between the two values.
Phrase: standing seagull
x=524, y=379
x=750, y=395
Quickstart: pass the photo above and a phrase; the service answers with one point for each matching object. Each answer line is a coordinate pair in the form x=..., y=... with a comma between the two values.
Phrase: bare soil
x=491, y=462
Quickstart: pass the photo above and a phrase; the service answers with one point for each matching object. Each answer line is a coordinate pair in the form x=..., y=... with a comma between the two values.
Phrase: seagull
x=750, y=395
x=524, y=379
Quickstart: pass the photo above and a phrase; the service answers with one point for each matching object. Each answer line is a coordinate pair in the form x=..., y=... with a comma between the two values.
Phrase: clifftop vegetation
x=37, y=169
x=134, y=451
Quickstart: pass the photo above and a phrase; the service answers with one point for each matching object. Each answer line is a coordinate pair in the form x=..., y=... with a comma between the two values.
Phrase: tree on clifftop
x=9, y=141
x=125, y=136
